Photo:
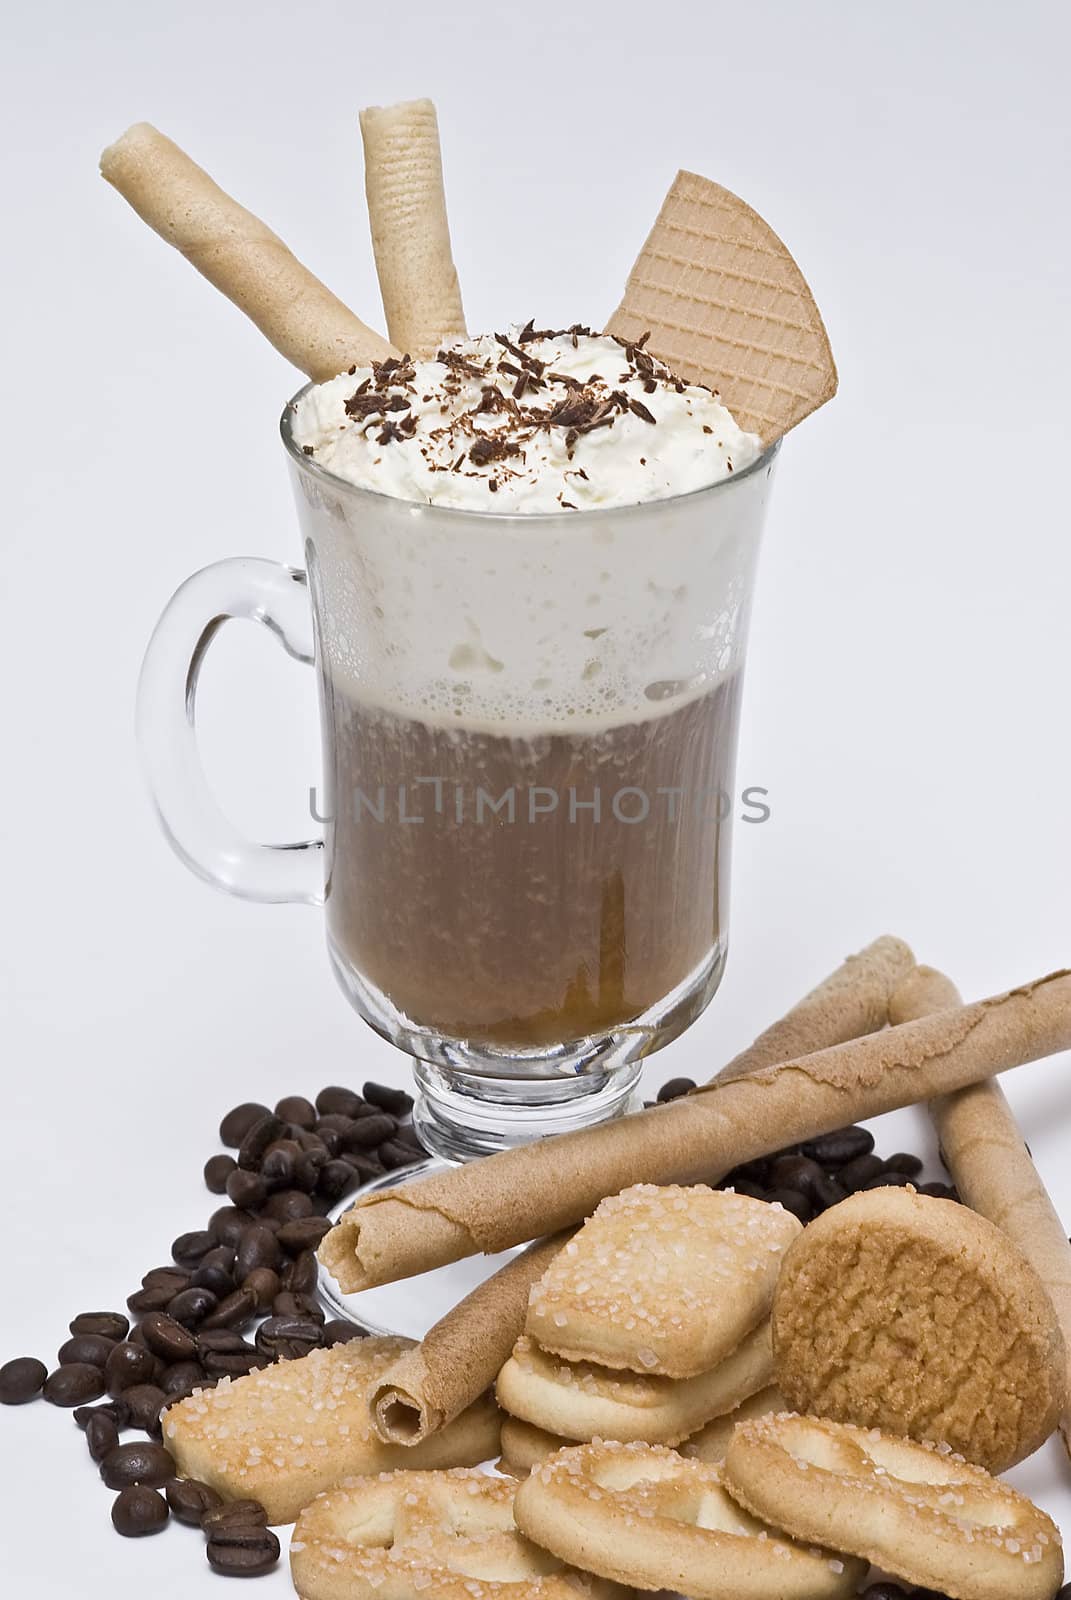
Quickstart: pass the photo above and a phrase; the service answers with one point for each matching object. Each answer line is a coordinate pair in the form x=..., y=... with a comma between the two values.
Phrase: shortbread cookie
x=582, y=1401
x=643, y=1515
x=525, y=1446
x=913, y=1314
x=662, y=1280
x=411, y=1535
x=711, y=1442
x=925, y=1516
x=283, y=1435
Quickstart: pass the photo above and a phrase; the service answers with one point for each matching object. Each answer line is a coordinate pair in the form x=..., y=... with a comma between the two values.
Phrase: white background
x=907, y=690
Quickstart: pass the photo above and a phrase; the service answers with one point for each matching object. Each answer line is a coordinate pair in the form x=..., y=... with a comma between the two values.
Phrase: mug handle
x=199, y=833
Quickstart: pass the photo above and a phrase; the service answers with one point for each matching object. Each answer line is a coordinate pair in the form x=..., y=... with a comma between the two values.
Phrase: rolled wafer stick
x=852, y=1001
x=461, y=1356
x=239, y=254
x=991, y=1165
x=504, y=1199
x=403, y=179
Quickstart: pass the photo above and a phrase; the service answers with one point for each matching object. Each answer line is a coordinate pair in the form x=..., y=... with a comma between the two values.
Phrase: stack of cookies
x=651, y=1326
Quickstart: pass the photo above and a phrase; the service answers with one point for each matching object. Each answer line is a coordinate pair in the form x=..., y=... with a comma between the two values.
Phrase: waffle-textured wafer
x=524, y=1446
x=662, y=1280
x=898, y=1311
x=643, y=1515
x=427, y=1536
x=726, y=305
x=582, y=1401
x=285, y=1434
x=711, y=1442
x=925, y=1516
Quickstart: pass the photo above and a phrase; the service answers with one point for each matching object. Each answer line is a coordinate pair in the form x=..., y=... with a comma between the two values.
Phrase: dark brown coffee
x=525, y=889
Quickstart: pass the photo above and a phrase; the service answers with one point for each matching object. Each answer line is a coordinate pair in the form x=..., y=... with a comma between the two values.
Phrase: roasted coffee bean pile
x=808, y=1178
x=251, y=1269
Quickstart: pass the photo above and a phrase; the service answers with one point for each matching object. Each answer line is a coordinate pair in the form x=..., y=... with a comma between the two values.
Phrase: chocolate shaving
x=638, y=409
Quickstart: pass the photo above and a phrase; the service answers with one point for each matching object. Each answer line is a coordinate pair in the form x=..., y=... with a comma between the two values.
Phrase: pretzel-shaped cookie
x=923, y=1515
x=643, y=1515
x=415, y=1535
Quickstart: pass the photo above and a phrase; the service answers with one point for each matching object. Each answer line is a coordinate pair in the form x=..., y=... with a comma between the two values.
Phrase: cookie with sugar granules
x=921, y=1514
x=284, y=1434
x=662, y=1280
x=898, y=1311
x=711, y=1442
x=427, y=1536
x=583, y=1401
x=524, y=1446
x=644, y=1516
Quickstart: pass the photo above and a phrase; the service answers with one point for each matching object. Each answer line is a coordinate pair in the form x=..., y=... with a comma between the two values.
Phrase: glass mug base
x=476, y=1099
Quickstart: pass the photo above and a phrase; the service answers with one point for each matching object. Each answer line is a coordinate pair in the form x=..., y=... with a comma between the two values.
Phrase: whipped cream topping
x=529, y=421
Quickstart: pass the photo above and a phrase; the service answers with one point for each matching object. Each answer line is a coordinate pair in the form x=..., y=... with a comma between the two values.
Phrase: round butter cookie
x=925, y=1516
x=897, y=1311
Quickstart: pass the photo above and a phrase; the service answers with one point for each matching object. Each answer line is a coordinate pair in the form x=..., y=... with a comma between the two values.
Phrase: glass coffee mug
x=529, y=733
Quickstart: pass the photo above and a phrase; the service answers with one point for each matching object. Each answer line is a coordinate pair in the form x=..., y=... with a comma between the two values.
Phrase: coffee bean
x=217, y=1170
x=939, y=1191
x=218, y=1279
x=335, y=1122
x=834, y=1149
x=675, y=1088
x=883, y=1591
x=192, y=1306
x=145, y=1402
x=137, y=1463
x=285, y=1338
x=396, y=1101
x=339, y=1332
x=889, y=1180
x=336, y=1179
x=792, y=1201
x=263, y=1284
x=138, y=1511
x=217, y=1339
x=247, y=1190
x=262, y=1133
x=366, y=1163
x=304, y=1233
x=855, y=1175
x=370, y=1132
x=753, y=1191
x=408, y=1136
x=92, y=1348
x=108, y=1324
x=257, y=1247
x=331, y=1140
x=190, y=1249
x=301, y=1275
x=174, y=1279
x=21, y=1380
x=236, y=1311
x=102, y=1436
x=182, y=1378
x=295, y=1108
x=115, y=1409
x=234, y=1558
x=237, y=1123
x=902, y=1161
x=305, y=1306
x=394, y=1155
x=155, y=1298
x=189, y=1500
x=311, y=1143
x=167, y=1338
x=288, y=1205
x=336, y=1100
x=234, y=1514
x=226, y=1225
x=75, y=1385
x=795, y=1172
x=233, y=1363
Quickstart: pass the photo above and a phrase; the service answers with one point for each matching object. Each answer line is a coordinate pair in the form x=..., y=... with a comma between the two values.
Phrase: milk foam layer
x=527, y=421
